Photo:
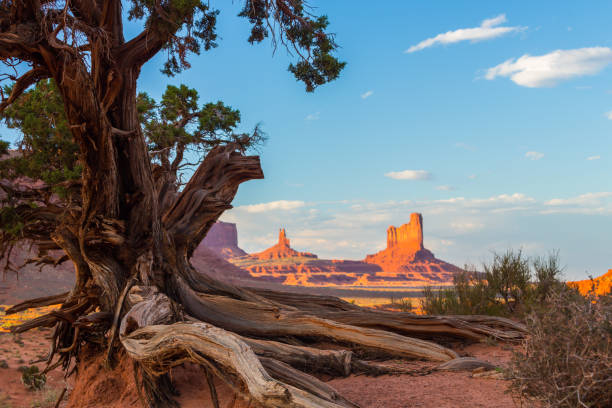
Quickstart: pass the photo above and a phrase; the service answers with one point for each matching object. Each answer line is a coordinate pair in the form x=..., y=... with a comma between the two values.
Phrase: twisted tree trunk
x=130, y=238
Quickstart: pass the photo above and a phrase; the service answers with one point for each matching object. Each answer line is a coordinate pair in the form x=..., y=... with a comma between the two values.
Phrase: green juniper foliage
x=47, y=152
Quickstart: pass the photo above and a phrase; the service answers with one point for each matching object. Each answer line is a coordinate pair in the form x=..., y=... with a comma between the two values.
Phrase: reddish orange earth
x=97, y=387
x=600, y=285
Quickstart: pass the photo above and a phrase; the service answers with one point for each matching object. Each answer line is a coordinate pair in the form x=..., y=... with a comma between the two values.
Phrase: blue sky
x=498, y=140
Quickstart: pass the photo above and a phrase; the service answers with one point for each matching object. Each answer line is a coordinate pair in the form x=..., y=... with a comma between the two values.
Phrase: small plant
x=508, y=276
x=32, y=378
x=567, y=360
x=4, y=364
x=405, y=305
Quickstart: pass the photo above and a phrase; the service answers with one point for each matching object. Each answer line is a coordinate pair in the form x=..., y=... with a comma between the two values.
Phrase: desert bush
x=32, y=378
x=509, y=286
x=567, y=359
x=403, y=304
x=470, y=294
x=509, y=276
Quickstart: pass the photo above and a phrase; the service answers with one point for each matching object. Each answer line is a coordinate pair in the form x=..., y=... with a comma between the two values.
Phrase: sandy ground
x=102, y=388
x=19, y=351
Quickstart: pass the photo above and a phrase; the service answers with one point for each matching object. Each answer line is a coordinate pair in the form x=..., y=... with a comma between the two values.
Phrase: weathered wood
x=254, y=319
x=288, y=375
x=161, y=347
x=37, y=302
x=465, y=364
x=475, y=328
x=308, y=359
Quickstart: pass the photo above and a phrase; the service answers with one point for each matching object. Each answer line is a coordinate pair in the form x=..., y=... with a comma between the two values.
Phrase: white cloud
x=463, y=227
x=367, y=94
x=609, y=115
x=488, y=29
x=445, y=188
x=587, y=199
x=313, y=116
x=472, y=176
x=548, y=69
x=594, y=157
x=282, y=205
x=494, y=200
x=534, y=155
x=409, y=175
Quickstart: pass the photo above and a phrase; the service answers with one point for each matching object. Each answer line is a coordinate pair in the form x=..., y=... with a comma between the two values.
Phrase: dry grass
x=567, y=360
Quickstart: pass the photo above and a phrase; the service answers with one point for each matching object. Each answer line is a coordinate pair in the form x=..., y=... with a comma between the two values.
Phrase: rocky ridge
x=405, y=262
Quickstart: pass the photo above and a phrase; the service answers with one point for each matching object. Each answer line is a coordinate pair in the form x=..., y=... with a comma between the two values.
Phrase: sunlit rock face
x=281, y=250
x=600, y=285
x=223, y=240
x=405, y=262
x=405, y=251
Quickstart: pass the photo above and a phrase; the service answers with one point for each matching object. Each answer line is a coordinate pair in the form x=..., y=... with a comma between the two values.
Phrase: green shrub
x=567, y=359
x=506, y=288
x=508, y=277
x=32, y=378
x=470, y=294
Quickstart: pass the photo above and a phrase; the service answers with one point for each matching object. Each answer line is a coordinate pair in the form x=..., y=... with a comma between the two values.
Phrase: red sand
x=97, y=387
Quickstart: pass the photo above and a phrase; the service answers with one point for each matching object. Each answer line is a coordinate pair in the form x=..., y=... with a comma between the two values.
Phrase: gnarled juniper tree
x=109, y=164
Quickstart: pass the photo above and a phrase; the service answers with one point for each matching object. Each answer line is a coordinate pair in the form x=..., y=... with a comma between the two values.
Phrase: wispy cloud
x=594, y=157
x=534, y=155
x=367, y=94
x=463, y=227
x=472, y=176
x=283, y=205
x=609, y=115
x=313, y=116
x=409, y=175
x=445, y=188
x=487, y=30
x=465, y=146
x=588, y=199
x=549, y=69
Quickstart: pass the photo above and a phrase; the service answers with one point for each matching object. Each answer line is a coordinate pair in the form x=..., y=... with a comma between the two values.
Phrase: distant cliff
x=405, y=262
x=223, y=240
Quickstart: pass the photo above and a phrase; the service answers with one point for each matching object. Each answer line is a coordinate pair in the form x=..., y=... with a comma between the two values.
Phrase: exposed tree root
x=263, y=321
x=161, y=347
x=38, y=302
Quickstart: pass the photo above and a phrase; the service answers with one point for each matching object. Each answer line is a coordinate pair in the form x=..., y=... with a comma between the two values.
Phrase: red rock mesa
x=281, y=250
x=405, y=262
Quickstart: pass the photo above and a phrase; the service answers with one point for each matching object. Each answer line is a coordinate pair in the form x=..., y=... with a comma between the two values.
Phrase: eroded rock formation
x=281, y=250
x=405, y=249
x=223, y=240
x=405, y=262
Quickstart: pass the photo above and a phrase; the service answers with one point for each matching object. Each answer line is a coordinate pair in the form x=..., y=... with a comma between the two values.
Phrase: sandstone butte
x=405, y=262
x=281, y=250
x=602, y=284
x=223, y=240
